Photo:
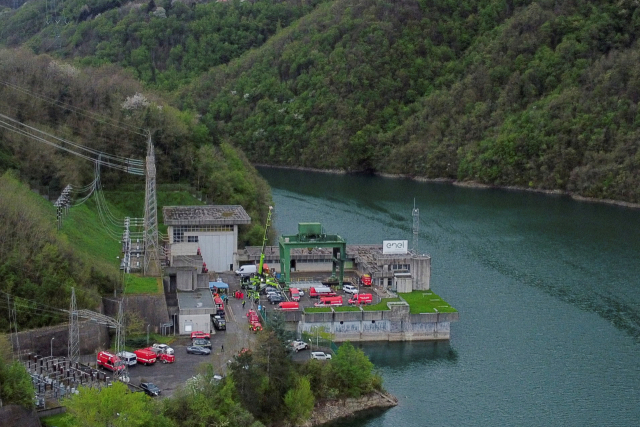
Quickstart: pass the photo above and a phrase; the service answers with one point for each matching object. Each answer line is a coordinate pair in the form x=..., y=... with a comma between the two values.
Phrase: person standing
x=243, y=301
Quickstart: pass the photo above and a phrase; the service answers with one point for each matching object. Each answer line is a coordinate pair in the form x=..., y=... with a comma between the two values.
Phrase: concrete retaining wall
x=151, y=308
x=395, y=324
x=55, y=339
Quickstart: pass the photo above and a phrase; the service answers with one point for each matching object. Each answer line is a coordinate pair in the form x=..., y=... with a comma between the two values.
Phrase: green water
x=548, y=291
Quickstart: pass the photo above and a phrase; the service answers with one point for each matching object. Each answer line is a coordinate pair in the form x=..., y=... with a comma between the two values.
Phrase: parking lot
x=225, y=344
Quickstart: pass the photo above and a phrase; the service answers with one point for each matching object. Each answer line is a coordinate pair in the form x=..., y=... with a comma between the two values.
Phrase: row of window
x=179, y=230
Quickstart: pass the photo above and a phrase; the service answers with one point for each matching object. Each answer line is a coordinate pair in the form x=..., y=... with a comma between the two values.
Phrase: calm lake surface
x=548, y=291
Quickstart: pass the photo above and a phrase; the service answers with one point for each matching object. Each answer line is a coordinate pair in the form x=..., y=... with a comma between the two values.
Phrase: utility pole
x=416, y=228
x=74, y=330
x=151, y=258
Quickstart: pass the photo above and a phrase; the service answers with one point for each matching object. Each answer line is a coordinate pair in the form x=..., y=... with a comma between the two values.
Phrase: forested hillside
x=540, y=94
x=98, y=108
x=535, y=94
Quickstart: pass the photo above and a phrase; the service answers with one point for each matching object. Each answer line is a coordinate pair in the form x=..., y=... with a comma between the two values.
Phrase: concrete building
x=195, y=310
x=398, y=272
x=212, y=229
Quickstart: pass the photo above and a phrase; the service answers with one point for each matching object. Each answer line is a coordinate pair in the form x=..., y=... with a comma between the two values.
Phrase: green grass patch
x=142, y=285
x=317, y=310
x=382, y=305
x=426, y=302
x=346, y=308
x=97, y=244
x=59, y=420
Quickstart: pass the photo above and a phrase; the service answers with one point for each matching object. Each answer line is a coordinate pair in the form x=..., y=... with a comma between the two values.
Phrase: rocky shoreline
x=333, y=410
x=472, y=184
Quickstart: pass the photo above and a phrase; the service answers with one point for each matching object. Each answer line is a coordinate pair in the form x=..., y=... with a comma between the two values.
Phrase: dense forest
x=539, y=94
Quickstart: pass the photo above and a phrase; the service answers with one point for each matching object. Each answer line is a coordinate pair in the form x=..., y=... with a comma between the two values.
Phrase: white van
x=247, y=270
x=128, y=358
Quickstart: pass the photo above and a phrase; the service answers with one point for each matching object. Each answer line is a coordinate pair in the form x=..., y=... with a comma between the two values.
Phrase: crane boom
x=264, y=241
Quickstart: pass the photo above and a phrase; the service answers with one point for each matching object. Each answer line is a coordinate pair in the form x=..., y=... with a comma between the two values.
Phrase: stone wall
x=17, y=416
x=332, y=410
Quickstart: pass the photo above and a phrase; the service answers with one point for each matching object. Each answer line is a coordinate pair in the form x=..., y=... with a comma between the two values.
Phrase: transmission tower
x=74, y=330
x=121, y=375
x=416, y=228
x=151, y=258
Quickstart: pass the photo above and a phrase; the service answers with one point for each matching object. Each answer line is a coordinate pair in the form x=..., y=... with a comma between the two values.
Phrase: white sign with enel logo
x=394, y=246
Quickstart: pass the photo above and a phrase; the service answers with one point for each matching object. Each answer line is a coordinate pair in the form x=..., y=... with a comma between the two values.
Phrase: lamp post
x=148, y=335
x=310, y=345
x=52, y=338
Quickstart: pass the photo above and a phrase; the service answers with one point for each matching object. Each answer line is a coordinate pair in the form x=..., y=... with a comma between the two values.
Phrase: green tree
x=352, y=371
x=205, y=401
x=15, y=383
x=299, y=401
x=114, y=406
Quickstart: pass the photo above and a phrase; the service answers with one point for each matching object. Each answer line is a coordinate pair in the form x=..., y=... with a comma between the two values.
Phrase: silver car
x=350, y=289
x=319, y=355
x=194, y=349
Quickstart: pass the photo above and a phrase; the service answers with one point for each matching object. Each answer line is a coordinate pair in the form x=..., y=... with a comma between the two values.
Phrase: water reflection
x=401, y=355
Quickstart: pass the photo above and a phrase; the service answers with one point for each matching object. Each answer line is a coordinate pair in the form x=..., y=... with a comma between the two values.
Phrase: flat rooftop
x=201, y=298
x=205, y=215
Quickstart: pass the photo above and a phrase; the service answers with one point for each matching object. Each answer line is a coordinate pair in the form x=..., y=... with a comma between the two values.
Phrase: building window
x=192, y=239
x=179, y=230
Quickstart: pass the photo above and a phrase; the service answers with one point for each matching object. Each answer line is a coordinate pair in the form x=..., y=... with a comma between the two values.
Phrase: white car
x=163, y=348
x=350, y=289
x=299, y=345
x=318, y=355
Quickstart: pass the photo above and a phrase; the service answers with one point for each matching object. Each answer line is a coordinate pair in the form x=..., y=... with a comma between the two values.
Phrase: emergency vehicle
x=109, y=361
x=361, y=299
x=146, y=356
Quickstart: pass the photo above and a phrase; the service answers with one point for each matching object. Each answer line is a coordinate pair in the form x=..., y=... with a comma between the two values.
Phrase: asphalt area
x=225, y=344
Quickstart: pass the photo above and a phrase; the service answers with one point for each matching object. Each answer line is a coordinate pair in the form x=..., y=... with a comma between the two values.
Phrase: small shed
x=402, y=282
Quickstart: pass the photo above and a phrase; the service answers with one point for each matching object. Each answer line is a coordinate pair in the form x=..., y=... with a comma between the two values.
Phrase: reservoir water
x=548, y=291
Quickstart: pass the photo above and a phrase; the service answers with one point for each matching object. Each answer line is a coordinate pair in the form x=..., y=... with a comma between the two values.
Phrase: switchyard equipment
x=311, y=235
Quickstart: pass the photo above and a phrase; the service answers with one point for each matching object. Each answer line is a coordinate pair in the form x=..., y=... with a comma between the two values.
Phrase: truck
x=321, y=291
x=328, y=301
x=219, y=323
x=146, y=356
x=294, y=294
x=289, y=306
x=361, y=299
x=109, y=361
x=365, y=280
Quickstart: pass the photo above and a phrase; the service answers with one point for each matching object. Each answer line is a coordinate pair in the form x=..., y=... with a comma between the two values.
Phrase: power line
x=98, y=117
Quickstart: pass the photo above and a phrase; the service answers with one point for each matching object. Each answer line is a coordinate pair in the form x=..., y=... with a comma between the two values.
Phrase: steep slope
x=542, y=95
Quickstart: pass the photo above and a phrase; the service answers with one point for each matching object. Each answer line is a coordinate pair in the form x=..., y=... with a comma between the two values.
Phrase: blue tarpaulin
x=219, y=285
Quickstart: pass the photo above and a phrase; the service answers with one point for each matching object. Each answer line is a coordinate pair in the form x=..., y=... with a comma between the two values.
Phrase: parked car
x=299, y=345
x=350, y=289
x=319, y=355
x=201, y=342
x=150, y=388
x=194, y=349
x=276, y=299
x=163, y=348
x=219, y=323
x=267, y=289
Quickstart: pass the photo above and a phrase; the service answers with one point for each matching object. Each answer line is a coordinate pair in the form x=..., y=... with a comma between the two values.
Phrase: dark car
x=275, y=299
x=268, y=289
x=194, y=349
x=201, y=342
x=150, y=388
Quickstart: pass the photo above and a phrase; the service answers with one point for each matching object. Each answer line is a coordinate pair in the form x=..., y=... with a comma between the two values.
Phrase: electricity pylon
x=151, y=258
x=74, y=330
